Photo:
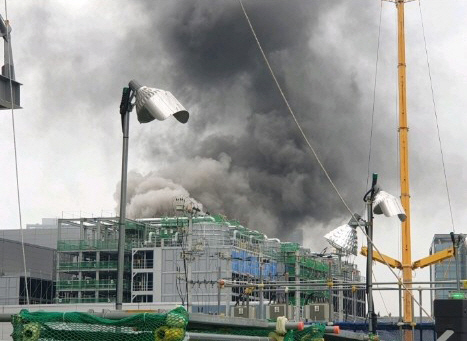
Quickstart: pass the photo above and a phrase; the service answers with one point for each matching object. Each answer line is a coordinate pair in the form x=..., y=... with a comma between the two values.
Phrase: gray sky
x=240, y=154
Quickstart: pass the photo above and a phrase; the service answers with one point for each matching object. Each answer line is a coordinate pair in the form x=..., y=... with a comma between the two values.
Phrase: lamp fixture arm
x=125, y=105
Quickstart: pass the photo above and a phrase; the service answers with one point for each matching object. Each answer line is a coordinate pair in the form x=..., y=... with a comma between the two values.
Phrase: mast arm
x=434, y=258
x=394, y=263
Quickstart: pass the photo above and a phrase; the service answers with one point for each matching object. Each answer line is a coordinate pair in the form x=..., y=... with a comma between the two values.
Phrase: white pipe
x=150, y=235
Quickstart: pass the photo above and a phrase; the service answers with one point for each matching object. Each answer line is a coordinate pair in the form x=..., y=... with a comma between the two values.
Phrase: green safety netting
x=54, y=326
x=172, y=326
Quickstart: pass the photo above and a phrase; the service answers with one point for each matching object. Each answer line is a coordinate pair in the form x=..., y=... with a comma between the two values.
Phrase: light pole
x=369, y=198
x=150, y=104
x=344, y=238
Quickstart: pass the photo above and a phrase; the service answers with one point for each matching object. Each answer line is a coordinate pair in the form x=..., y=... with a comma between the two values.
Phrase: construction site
x=208, y=264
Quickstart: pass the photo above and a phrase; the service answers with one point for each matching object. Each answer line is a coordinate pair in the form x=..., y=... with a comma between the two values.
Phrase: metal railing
x=75, y=300
x=102, y=284
x=72, y=245
x=91, y=265
x=143, y=263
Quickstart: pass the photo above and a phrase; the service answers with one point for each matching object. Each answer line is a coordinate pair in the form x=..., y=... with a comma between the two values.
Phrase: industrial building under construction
x=209, y=264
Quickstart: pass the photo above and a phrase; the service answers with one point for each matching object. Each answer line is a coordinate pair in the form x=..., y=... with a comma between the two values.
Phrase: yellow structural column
x=404, y=167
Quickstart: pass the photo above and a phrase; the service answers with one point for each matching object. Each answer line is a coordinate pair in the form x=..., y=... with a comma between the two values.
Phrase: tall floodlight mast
x=150, y=104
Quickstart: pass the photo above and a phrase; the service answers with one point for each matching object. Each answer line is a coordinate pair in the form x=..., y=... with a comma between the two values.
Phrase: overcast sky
x=240, y=153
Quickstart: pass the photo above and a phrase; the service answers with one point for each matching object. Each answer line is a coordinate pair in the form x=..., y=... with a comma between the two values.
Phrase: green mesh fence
x=313, y=333
x=41, y=326
x=173, y=326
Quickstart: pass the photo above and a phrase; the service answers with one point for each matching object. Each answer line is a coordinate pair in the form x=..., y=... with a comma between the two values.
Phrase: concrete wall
x=39, y=260
x=39, y=265
x=46, y=237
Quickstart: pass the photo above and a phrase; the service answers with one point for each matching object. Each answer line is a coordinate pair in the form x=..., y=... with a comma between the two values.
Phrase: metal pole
x=456, y=259
x=369, y=264
x=219, y=275
x=261, y=298
x=421, y=313
x=123, y=186
x=297, y=281
x=400, y=301
x=340, y=301
x=330, y=293
x=189, y=302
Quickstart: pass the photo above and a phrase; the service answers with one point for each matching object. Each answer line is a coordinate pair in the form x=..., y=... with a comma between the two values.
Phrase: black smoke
x=241, y=154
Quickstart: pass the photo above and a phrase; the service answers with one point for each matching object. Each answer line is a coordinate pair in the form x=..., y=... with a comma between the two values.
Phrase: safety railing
x=102, y=284
x=90, y=265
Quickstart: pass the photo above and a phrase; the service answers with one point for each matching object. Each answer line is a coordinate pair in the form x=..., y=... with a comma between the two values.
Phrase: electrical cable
x=10, y=73
x=436, y=118
x=374, y=95
x=177, y=285
x=314, y=152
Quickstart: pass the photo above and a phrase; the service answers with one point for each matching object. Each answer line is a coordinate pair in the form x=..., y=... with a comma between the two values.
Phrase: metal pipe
x=224, y=337
x=313, y=284
x=214, y=320
x=374, y=289
x=201, y=319
x=6, y=317
x=362, y=288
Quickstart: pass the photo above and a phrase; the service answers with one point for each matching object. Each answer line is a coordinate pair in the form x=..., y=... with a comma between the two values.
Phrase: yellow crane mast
x=406, y=264
x=404, y=164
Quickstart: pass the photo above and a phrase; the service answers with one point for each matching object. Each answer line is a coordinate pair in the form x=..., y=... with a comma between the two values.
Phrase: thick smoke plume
x=241, y=154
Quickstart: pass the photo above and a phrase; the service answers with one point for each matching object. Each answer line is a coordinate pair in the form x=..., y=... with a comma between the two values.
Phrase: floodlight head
x=343, y=238
x=157, y=104
x=389, y=205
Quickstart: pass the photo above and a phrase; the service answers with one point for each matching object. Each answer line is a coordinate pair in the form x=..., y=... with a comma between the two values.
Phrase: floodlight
x=389, y=205
x=158, y=104
x=343, y=238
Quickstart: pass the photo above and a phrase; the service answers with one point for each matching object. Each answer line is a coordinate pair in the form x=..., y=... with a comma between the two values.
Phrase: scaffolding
x=86, y=269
